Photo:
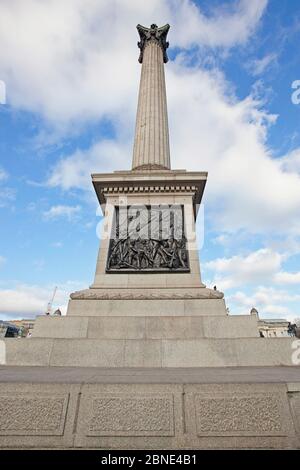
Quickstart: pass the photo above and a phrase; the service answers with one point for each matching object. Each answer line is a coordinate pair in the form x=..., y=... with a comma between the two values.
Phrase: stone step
x=132, y=327
x=203, y=352
x=147, y=307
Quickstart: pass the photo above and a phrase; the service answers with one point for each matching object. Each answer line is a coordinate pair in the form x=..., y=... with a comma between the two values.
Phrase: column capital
x=154, y=33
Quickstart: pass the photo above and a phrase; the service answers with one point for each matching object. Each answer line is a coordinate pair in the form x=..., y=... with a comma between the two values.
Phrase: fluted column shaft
x=151, y=143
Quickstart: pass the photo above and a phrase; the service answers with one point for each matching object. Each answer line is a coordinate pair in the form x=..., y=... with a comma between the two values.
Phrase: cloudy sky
x=71, y=74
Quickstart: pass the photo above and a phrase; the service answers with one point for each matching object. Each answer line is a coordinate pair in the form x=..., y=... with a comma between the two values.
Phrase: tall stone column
x=151, y=143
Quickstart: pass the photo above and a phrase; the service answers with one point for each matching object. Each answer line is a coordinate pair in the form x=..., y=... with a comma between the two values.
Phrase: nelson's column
x=148, y=357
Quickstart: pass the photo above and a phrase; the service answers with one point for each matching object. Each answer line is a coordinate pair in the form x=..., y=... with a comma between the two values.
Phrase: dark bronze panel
x=148, y=239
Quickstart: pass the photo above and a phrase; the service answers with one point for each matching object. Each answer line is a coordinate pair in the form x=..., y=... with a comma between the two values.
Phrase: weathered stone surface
x=151, y=327
x=88, y=352
x=60, y=327
x=204, y=353
x=201, y=352
x=28, y=351
x=142, y=353
x=254, y=351
x=33, y=415
x=130, y=416
x=147, y=307
x=145, y=415
x=219, y=415
x=227, y=352
x=239, y=416
x=153, y=375
x=146, y=294
x=114, y=327
x=231, y=326
x=150, y=415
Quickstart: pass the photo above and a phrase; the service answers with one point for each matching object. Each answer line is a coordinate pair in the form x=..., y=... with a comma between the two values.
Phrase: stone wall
x=201, y=352
x=164, y=416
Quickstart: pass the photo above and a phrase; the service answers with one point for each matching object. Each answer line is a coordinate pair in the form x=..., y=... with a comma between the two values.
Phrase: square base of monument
x=49, y=409
x=146, y=307
x=147, y=328
x=201, y=352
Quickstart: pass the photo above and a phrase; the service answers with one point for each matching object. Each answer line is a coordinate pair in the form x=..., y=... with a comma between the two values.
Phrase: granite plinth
x=199, y=352
x=73, y=408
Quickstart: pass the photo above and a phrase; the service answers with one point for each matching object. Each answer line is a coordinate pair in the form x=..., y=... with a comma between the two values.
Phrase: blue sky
x=71, y=76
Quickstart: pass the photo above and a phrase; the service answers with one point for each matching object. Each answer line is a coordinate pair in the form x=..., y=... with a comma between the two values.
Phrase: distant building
x=26, y=325
x=273, y=327
x=8, y=330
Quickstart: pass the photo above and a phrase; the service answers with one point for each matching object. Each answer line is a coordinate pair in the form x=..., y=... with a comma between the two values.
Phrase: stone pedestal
x=74, y=408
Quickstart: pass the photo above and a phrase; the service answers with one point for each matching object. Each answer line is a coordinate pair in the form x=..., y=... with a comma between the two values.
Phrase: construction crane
x=49, y=306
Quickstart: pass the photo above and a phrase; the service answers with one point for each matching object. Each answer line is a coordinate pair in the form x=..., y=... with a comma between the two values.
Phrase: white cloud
x=74, y=73
x=269, y=302
x=75, y=170
x=245, y=185
x=289, y=245
x=7, y=195
x=263, y=296
x=25, y=300
x=291, y=162
x=287, y=278
x=227, y=26
x=77, y=74
x=222, y=239
x=57, y=245
x=3, y=174
x=39, y=264
x=2, y=261
x=84, y=64
x=259, y=266
x=61, y=211
x=259, y=66
x=277, y=310
x=263, y=265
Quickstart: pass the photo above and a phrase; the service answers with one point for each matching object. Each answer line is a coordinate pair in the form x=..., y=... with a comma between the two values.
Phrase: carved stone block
x=127, y=415
x=255, y=414
x=30, y=415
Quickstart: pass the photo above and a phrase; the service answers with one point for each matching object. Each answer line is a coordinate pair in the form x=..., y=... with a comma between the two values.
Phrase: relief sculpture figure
x=139, y=253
